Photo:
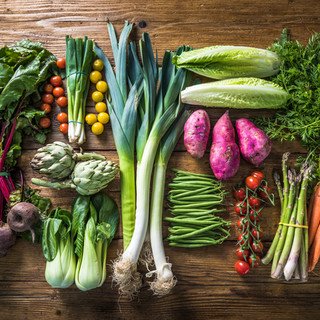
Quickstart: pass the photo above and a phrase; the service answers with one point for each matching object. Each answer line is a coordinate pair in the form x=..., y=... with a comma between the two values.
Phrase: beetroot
x=224, y=152
x=22, y=217
x=196, y=133
x=254, y=144
x=7, y=238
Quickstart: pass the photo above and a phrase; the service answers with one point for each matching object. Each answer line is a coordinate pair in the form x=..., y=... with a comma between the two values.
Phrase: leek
x=123, y=116
x=223, y=62
x=164, y=281
x=250, y=93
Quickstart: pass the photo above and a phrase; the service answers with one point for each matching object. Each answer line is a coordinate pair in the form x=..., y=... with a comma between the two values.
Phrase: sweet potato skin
x=196, y=133
x=255, y=145
x=224, y=152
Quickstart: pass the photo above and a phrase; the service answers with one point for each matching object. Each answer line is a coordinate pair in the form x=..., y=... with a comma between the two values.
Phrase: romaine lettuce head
x=251, y=93
x=223, y=62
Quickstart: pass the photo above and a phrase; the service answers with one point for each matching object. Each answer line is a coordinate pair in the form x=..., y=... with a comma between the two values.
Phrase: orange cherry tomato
x=45, y=107
x=45, y=122
x=63, y=128
x=47, y=98
x=61, y=63
x=62, y=102
x=56, y=81
x=58, y=92
x=48, y=88
x=62, y=117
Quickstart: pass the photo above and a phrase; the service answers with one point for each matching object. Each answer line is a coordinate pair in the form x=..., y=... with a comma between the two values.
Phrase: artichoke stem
x=55, y=185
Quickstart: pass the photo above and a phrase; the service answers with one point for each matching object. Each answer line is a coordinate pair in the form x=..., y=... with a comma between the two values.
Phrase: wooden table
x=208, y=287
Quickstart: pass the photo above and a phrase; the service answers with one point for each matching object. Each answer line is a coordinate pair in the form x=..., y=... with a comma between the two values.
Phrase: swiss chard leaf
x=49, y=238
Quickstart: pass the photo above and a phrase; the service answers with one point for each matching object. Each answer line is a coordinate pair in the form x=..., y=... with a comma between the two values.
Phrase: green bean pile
x=194, y=200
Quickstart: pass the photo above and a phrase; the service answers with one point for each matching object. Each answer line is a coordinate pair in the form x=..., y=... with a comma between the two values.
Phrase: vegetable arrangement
x=252, y=197
x=194, y=200
x=289, y=249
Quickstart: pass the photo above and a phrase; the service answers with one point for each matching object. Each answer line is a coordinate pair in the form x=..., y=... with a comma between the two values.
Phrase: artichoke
x=57, y=160
x=88, y=177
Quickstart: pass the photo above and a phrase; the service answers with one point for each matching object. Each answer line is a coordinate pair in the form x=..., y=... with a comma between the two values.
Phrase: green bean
x=193, y=233
x=194, y=198
x=176, y=211
x=191, y=173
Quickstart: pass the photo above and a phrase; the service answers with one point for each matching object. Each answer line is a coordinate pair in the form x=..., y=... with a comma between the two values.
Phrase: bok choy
x=223, y=62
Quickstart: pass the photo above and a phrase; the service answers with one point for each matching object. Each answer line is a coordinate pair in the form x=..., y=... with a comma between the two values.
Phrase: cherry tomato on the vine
x=252, y=182
x=240, y=208
x=257, y=234
x=264, y=193
x=258, y=174
x=256, y=260
x=45, y=122
x=243, y=238
x=242, y=254
x=56, y=81
x=62, y=102
x=63, y=128
x=239, y=194
x=58, y=92
x=242, y=224
x=257, y=247
x=254, y=216
x=45, y=107
x=47, y=98
x=242, y=267
x=61, y=63
x=254, y=202
x=48, y=88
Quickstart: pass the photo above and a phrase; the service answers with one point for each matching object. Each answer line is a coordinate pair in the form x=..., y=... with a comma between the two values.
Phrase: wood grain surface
x=208, y=287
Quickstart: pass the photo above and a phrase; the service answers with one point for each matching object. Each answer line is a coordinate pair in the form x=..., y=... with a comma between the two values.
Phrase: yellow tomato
x=102, y=86
x=97, y=128
x=95, y=76
x=103, y=117
x=97, y=96
x=97, y=65
x=91, y=119
x=101, y=107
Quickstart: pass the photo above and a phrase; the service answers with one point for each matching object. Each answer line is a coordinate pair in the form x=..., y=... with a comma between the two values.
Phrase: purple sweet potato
x=196, y=133
x=254, y=144
x=224, y=152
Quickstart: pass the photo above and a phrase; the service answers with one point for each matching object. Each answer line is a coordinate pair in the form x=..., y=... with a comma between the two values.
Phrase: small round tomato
x=254, y=216
x=56, y=81
x=103, y=117
x=258, y=174
x=58, y=92
x=61, y=63
x=264, y=193
x=97, y=96
x=45, y=122
x=242, y=224
x=102, y=86
x=252, y=182
x=47, y=98
x=95, y=76
x=254, y=202
x=62, y=117
x=45, y=107
x=62, y=102
x=242, y=267
x=243, y=239
x=239, y=194
x=242, y=254
x=257, y=234
x=257, y=247
x=97, y=128
x=48, y=88
x=63, y=128
x=254, y=261
x=240, y=208
x=101, y=107
x=97, y=65
x=91, y=118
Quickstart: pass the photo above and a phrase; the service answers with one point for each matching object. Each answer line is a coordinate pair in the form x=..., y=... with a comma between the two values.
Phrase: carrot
x=314, y=253
x=311, y=203
x=315, y=216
